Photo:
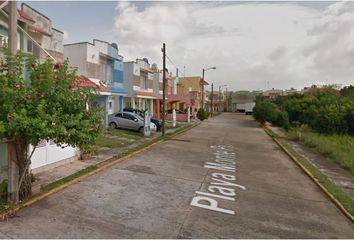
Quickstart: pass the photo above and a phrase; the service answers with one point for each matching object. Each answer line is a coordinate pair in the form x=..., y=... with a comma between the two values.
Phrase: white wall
x=128, y=69
x=93, y=51
x=50, y=153
x=76, y=53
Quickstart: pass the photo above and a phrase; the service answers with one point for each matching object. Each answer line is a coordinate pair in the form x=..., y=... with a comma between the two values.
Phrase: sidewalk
x=342, y=178
x=54, y=174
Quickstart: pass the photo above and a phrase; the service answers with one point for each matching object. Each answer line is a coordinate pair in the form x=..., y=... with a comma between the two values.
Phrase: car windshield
x=139, y=117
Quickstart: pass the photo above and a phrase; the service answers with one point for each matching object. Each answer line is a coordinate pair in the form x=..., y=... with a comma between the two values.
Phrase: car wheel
x=141, y=129
x=112, y=125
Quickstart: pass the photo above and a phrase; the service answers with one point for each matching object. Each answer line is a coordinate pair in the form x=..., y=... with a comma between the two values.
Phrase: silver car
x=128, y=120
x=153, y=126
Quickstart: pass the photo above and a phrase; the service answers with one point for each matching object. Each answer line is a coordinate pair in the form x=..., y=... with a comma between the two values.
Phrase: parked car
x=153, y=126
x=157, y=122
x=127, y=120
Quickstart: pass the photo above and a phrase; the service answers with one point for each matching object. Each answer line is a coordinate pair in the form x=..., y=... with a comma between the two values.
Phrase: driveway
x=223, y=179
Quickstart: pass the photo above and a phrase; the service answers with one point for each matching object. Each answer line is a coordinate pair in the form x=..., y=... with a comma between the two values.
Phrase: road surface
x=223, y=179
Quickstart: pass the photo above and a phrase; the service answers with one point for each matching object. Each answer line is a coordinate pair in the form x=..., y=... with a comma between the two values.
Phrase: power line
x=170, y=60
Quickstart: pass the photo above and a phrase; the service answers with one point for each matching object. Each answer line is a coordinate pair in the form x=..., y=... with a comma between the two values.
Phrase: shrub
x=329, y=119
x=282, y=120
x=265, y=112
x=202, y=114
x=349, y=118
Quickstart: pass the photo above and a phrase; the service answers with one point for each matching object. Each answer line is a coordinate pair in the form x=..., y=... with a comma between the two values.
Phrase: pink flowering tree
x=42, y=102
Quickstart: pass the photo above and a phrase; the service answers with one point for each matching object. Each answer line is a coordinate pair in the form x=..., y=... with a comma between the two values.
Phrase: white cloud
x=251, y=44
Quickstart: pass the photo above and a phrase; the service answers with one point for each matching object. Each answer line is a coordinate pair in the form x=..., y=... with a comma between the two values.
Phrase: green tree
x=348, y=91
x=202, y=114
x=265, y=111
x=48, y=106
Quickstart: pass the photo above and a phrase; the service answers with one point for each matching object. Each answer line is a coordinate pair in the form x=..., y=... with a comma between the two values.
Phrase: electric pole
x=203, y=88
x=227, y=102
x=219, y=99
x=212, y=96
x=13, y=26
x=163, y=87
x=13, y=169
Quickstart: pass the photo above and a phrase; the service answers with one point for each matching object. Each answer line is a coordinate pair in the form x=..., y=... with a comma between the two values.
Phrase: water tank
x=114, y=45
x=146, y=60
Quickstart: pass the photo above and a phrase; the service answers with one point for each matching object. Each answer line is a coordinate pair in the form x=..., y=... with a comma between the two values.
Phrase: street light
x=204, y=70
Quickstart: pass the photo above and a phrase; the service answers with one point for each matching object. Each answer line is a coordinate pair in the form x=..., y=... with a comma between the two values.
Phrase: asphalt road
x=240, y=183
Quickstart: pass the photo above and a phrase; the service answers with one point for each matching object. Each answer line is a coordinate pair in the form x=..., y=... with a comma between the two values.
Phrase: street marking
x=222, y=185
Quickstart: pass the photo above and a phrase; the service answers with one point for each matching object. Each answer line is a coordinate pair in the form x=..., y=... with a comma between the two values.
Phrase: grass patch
x=346, y=201
x=169, y=125
x=339, y=148
x=167, y=136
x=117, y=138
x=4, y=205
x=69, y=178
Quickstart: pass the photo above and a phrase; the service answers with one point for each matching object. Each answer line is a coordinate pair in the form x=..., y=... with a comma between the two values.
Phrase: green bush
x=349, y=118
x=282, y=120
x=329, y=119
x=3, y=186
x=265, y=111
x=202, y=114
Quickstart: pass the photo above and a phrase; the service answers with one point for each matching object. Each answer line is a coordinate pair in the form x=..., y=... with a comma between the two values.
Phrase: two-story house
x=40, y=29
x=101, y=63
x=139, y=84
x=193, y=87
x=37, y=35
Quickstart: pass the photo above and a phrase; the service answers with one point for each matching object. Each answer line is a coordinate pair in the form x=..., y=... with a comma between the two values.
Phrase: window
x=128, y=116
x=143, y=81
x=33, y=48
x=3, y=40
x=119, y=115
x=106, y=70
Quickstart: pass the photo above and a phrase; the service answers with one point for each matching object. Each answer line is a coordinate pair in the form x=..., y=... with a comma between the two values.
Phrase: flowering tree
x=42, y=102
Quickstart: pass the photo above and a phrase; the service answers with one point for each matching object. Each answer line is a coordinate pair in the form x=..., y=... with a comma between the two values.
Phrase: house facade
x=214, y=100
x=21, y=21
x=192, y=86
x=36, y=35
x=273, y=93
x=40, y=29
x=139, y=83
x=158, y=91
x=101, y=63
x=239, y=99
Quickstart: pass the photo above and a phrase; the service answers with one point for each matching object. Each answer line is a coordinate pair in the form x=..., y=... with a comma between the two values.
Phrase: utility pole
x=219, y=100
x=212, y=96
x=203, y=88
x=13, y=169
x=13, y=26
x=163, y=87
x=227, y=102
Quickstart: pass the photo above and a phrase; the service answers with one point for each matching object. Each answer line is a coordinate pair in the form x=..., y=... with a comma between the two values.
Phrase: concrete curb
x=104, y=165
x=314, y=179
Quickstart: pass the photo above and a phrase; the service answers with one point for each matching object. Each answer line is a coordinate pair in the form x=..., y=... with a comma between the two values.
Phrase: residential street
x=258, y=193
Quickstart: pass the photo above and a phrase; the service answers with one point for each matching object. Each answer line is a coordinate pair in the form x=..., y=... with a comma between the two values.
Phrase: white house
x=138, y=82
x=101, y=63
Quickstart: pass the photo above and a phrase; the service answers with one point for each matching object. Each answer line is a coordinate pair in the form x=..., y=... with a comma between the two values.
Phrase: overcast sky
x=253, y=45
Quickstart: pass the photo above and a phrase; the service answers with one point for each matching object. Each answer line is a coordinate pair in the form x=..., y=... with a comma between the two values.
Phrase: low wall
x=180, y=117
